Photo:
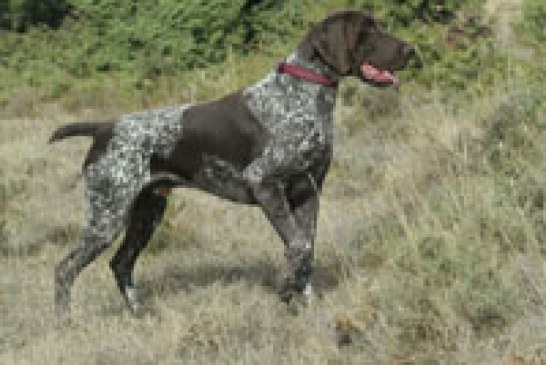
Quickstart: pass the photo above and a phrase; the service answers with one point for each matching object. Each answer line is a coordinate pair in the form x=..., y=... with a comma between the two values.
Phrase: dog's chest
x=298, y=116
x=298, y=119
x=290, y=108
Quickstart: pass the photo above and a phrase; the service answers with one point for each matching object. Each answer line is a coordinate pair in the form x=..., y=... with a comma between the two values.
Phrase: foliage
x=135, y=45
x=170, y=35
x=402, y=13
x=533, y=24
x=20, y=14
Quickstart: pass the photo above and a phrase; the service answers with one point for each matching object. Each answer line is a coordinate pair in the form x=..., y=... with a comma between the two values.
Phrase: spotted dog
x=269, y=145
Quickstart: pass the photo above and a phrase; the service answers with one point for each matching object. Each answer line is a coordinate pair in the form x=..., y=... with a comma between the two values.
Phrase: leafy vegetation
x=18, y=15
x=533, y=25
x=85, y=48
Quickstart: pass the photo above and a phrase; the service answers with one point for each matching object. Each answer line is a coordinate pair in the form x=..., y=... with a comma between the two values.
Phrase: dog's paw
x=297, y=300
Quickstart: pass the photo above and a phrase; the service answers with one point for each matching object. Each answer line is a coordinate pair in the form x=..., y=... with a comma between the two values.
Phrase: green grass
x=124, y=56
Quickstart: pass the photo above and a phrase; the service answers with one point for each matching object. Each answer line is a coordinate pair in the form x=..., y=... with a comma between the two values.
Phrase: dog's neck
x=279, y=95
x=326, y=94
x=314, y=64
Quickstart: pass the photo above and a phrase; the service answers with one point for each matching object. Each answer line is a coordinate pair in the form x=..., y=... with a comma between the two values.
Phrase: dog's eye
x=364, y=33
x=361, y=35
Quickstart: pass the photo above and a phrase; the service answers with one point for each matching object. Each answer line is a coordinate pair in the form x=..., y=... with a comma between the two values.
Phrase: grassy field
x=426, y=252
x=431, y=244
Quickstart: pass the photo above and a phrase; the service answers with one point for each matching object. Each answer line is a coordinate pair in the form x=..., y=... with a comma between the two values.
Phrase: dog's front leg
x=306, y=214
x=298, y=245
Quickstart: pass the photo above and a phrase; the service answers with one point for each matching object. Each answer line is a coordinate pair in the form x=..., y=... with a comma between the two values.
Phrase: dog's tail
x=77, y=129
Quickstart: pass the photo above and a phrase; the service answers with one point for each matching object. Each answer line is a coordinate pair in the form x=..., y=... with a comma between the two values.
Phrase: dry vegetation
x=420, y=255
x=431, y=244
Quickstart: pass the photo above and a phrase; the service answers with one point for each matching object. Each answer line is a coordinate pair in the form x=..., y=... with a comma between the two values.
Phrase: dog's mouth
x=378, y=76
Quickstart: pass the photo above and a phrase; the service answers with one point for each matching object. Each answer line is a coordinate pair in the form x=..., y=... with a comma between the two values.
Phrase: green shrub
x=533, y=25
x=168, y=36
x=139, y=43
x=20, y=14
x=402, y=13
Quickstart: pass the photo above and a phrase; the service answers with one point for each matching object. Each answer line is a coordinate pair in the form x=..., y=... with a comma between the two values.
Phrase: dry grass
x=421, y=257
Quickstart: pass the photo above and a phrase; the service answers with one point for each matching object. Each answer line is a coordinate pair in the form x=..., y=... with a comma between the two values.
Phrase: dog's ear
x=336, y=40
x=331, y=43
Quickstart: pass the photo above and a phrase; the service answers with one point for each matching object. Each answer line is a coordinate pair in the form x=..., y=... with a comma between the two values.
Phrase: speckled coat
x=113, y=182
x=298, y=116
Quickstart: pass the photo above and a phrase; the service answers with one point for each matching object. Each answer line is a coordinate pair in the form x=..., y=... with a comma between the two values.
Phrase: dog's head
x=352, y=43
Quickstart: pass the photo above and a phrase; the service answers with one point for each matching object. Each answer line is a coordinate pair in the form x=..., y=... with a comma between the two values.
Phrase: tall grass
x=430, y=246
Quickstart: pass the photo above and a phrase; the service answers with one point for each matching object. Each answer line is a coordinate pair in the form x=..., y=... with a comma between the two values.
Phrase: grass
x=430, y=249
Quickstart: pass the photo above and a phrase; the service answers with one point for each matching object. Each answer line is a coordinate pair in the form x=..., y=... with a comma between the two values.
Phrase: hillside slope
x=431, y=243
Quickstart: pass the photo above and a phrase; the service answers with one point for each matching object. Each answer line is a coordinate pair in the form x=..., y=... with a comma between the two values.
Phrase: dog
x=269, y=145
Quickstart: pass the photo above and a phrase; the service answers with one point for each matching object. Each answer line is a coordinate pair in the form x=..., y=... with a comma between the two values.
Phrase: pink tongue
x=379, y=76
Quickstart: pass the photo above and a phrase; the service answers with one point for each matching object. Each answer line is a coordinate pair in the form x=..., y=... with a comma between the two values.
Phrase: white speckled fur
x=298, y=115
x=298, y=118
x=113, y=181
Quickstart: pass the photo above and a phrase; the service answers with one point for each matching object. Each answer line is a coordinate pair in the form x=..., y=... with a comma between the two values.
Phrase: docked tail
x=77, y=129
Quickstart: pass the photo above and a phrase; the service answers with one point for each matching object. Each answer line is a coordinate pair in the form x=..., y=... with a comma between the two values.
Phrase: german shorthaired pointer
x=269, y=144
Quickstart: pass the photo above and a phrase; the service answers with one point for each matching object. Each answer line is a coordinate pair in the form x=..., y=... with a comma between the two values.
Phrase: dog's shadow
x=175, y=279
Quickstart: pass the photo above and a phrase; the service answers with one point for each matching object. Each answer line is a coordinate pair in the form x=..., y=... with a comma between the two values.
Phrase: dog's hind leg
x=108, y=202
x=146, y=213
x=101, y=230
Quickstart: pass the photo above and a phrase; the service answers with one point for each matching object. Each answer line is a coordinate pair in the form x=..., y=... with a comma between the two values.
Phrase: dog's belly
x=223, y=179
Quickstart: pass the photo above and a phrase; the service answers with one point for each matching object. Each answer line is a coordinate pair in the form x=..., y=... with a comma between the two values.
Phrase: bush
x=169, y=36
x=139, y=43
x=533, y=25
x=20, y=14
x=403, y=13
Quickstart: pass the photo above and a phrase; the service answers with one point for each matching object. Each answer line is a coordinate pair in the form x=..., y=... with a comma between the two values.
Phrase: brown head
x=352, y=43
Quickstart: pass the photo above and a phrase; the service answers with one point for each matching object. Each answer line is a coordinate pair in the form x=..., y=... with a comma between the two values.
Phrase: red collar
x=305, y=74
